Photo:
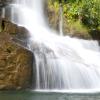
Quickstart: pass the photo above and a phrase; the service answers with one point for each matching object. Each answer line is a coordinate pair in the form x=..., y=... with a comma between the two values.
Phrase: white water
x=61, y=62
x=61, y=20
x=3, y=13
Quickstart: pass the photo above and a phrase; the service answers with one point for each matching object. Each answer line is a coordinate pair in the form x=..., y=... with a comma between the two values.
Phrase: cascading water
x=61, y=62
x=61, y=20
x=3, y=12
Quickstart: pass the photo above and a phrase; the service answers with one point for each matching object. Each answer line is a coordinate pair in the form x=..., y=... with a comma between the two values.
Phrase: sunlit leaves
x=88, y=11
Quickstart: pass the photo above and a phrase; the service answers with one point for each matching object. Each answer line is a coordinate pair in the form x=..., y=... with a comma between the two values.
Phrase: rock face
x=16, y=62
x=5, y=1
x=13, y=29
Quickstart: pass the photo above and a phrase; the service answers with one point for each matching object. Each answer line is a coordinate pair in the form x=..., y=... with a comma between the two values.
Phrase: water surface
x=30, y=95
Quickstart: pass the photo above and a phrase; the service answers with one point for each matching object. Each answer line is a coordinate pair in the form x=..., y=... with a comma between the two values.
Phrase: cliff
x=16, y=61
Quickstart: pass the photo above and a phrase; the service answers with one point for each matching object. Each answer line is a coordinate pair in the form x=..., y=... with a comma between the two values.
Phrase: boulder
x=16, y=61
x=13, y=29
x=3, y=2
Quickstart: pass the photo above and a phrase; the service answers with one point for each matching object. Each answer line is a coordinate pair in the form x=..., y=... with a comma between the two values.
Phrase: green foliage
x=87, y=11
x=91, y=13
x=54, y=5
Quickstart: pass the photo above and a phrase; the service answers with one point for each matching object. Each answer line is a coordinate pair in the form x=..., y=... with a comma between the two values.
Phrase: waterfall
x=61, y=62
x=61, y=20
x=3, y=12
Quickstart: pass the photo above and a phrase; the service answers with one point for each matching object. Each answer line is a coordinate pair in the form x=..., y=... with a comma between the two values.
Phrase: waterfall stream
x=61, y=20
x=61, y=62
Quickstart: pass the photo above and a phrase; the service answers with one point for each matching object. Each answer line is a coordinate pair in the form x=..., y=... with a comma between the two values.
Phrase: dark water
x=28, y=95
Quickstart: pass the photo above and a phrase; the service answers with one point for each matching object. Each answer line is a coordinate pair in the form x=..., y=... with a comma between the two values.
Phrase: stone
x=16, y=61
x=19, y=33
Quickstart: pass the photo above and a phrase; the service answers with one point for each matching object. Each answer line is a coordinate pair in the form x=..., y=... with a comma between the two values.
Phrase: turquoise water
x=28, y=95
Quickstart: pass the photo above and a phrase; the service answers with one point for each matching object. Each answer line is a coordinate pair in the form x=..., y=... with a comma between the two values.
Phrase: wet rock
x=2, y=2
x=19, y=34
x=16, y=62
x=13, y=29
x=95, y=34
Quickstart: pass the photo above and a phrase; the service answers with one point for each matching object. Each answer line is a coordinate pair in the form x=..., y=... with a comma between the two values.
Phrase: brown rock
x=16, y=62
x=13, y=29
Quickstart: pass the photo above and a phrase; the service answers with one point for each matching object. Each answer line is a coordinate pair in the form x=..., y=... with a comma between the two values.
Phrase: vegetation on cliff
x=80, y=16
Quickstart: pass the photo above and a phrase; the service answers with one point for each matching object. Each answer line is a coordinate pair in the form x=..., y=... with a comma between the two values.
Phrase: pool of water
x=30, y=95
